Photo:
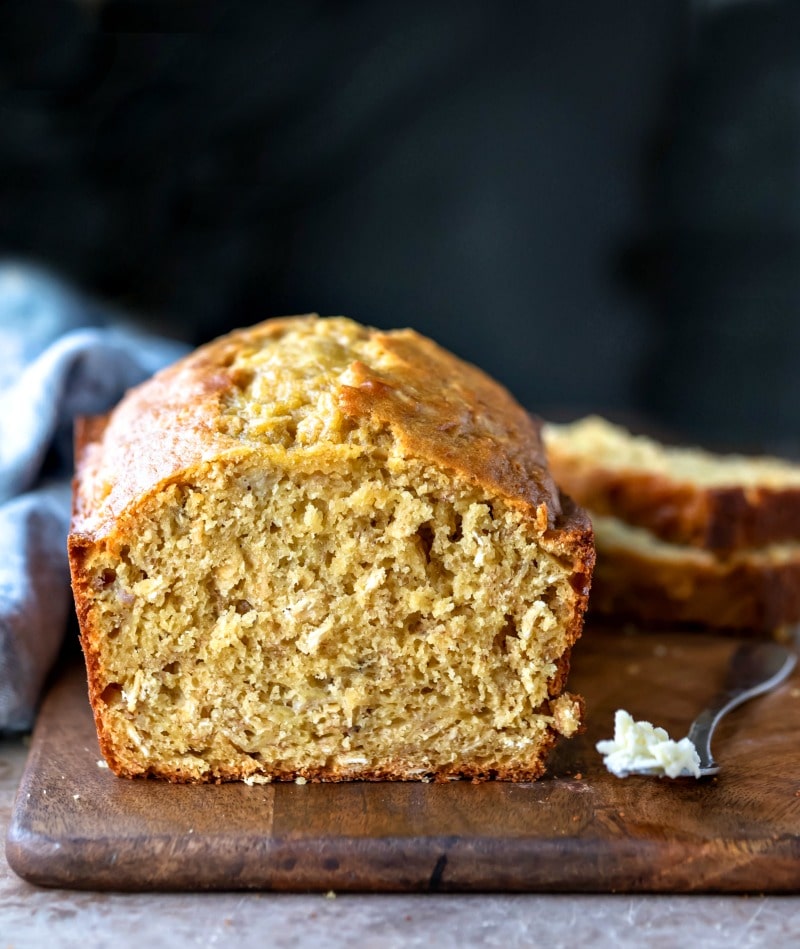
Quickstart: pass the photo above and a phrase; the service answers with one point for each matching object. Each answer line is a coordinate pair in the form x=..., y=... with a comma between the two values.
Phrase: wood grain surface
x=578, y=829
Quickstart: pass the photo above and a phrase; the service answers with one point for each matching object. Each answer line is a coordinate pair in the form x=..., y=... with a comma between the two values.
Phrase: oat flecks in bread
x=640, y=576
x=681, y=495
x=317, y=550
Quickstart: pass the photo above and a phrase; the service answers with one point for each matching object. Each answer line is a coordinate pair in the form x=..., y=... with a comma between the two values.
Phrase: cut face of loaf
x=314, y=550
x=681, y=495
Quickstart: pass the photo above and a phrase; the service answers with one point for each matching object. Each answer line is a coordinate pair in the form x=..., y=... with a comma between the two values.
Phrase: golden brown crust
x=684, y=496
x=450, y=413
x=712, y=518
x=440, y=409
x=740, y=593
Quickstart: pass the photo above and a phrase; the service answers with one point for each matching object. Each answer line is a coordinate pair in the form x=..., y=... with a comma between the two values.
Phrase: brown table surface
x=578, y=829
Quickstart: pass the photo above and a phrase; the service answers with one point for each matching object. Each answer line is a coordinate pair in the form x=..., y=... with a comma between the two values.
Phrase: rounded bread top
x=306, y=391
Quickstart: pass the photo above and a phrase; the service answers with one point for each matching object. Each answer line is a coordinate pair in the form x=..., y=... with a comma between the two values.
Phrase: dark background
x=597, y=202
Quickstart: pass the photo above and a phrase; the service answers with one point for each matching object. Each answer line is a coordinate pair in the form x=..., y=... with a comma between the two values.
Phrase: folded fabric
x=62, y=356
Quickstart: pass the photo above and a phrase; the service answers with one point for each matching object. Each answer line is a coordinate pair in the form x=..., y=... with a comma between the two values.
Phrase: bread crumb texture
x=295, y=557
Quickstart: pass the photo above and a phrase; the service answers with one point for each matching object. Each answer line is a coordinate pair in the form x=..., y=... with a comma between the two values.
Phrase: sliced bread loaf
x=644, y=578
x=681, y=495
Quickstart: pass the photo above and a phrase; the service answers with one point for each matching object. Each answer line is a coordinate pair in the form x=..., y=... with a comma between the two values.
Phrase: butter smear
x=639, y=747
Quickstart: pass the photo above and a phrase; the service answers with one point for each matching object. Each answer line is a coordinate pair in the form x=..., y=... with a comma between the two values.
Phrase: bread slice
x=642, y=577
x=317, y=551
x=681, y=495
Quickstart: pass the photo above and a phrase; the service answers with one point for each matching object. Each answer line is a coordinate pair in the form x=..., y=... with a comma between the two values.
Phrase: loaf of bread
x=681, y=495
x=684, y=535
x=317, y=551
x=639, y=576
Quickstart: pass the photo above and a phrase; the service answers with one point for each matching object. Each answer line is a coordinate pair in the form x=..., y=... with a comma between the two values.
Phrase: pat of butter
x=639, y=746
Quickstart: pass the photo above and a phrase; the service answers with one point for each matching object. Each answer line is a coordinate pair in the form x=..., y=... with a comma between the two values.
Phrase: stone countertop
x=34, y=917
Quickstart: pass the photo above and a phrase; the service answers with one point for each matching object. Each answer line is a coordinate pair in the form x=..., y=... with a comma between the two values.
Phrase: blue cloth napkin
x=61, y=355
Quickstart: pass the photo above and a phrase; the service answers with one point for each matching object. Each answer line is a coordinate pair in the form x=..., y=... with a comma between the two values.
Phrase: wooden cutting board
x=579, y=829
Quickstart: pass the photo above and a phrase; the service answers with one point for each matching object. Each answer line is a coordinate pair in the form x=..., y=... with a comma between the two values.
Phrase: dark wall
x=504, y=177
